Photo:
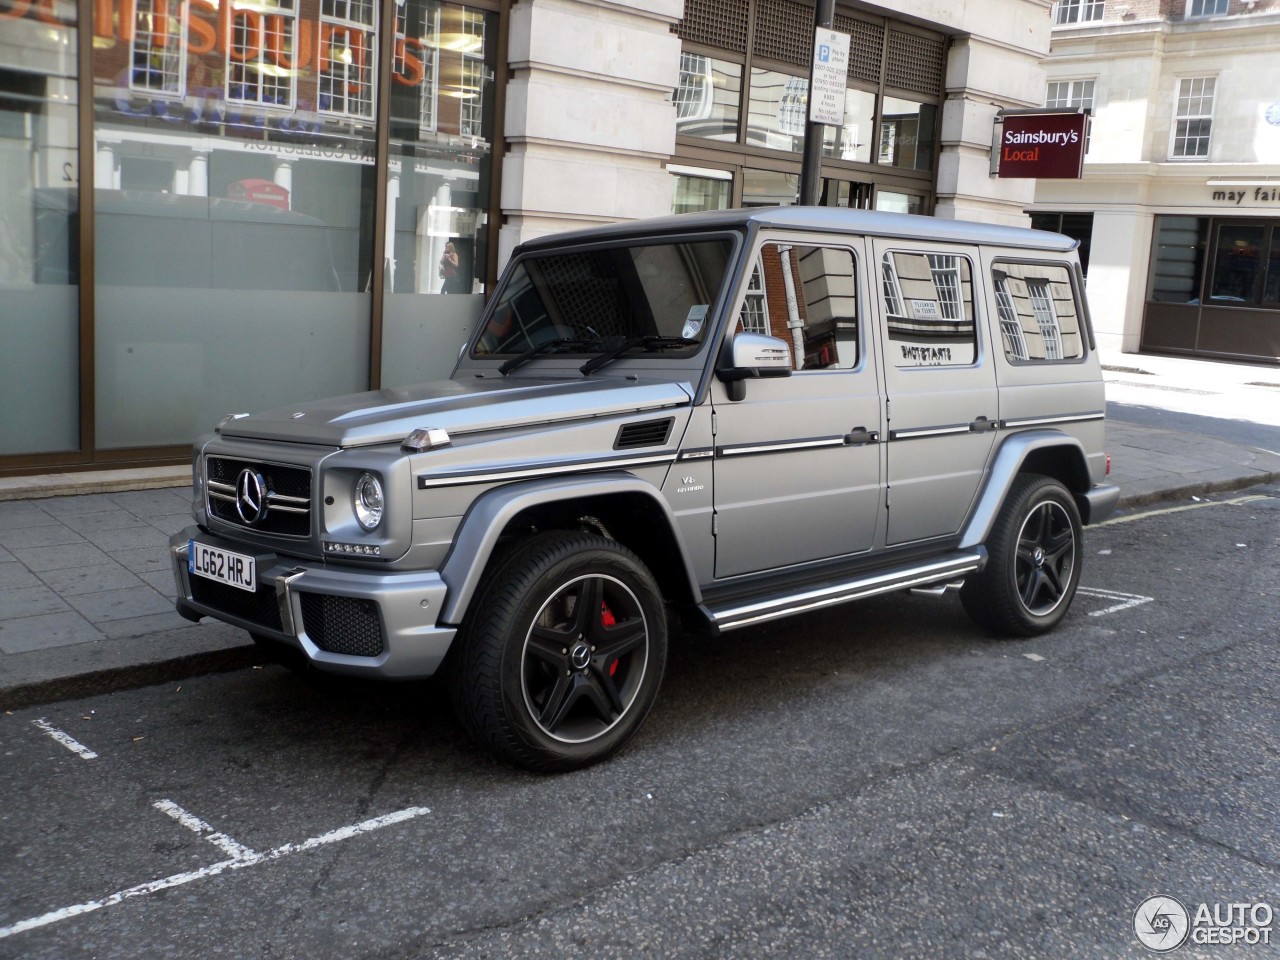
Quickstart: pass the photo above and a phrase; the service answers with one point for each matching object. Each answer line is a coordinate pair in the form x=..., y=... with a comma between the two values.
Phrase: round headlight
x=368, y=501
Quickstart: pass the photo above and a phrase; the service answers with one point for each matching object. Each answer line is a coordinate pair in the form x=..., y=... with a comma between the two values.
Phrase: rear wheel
x=562, y=653
x=1034, y=557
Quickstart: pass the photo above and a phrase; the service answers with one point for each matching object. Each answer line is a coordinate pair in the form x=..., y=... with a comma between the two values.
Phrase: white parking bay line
x=235, y=863
x=1126, y=600
x=68, y=741
x=193, y=823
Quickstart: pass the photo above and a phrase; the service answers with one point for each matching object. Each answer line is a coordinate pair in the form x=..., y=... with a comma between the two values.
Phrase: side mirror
x=748, y=356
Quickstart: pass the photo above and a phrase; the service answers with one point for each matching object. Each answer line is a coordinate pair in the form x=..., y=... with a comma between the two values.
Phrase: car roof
x=841, y=220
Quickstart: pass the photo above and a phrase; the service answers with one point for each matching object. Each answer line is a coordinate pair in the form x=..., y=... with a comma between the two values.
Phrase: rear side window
x=1039, y=317
x=928, y=299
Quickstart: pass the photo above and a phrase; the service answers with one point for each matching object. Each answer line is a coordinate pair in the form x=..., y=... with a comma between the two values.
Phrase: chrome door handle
x=982, y=425
x=860, y=435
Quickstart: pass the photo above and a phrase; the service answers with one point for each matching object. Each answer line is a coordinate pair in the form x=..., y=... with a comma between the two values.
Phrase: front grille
x=287, y=492
x=342, y=624
x=259, y=607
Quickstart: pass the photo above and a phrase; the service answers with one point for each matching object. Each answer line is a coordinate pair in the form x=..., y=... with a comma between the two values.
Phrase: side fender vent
x=648, y=433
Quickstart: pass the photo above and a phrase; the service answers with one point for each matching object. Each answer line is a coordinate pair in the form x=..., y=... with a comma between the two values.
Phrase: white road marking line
x=178, y=879
x=193, y=823
x=1127, y=599
x=1235, y=501
x=68, y=741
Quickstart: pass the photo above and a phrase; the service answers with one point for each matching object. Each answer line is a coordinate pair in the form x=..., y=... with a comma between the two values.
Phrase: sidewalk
x=86, y=593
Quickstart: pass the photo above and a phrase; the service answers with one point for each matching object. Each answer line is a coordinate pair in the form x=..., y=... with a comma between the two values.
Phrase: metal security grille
x=288, y=500
x=259, y=607
x=866, y=48
x=784, y=32
x=717, y=23
x=915, y=63
x=346, y=625
x=586, y=295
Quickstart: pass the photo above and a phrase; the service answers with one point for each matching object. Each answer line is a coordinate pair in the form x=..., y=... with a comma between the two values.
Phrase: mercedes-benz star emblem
x=251, y=496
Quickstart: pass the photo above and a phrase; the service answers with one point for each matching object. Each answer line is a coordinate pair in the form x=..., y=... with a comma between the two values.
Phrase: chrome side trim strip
x=780, y=446
x=522, y=472
x=916, y=433
x=1065, y=418
x=773, y=609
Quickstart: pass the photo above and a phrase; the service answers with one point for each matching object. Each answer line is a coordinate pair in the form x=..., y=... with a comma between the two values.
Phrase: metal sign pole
x=819, y=70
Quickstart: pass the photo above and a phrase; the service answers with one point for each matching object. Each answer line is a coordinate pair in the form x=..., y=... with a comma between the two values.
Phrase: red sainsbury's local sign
x=1046, y=146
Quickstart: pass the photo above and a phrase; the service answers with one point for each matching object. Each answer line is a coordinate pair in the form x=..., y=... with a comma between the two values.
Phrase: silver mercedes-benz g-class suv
x=724, y=418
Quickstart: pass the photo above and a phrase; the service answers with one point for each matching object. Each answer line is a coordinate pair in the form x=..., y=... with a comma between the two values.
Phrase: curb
x=1198, y=489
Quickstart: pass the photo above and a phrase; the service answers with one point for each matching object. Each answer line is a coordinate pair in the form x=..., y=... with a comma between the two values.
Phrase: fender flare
x=1005, y=467
x=488, y=516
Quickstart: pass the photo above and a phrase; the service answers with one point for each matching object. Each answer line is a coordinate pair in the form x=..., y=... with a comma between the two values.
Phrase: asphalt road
x=878, y=780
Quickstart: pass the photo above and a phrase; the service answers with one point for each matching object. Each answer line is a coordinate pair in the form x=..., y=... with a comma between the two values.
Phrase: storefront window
x=776, y=110
x=907, y=134
x=891, y=202
x=39, y=229
x=1239, y=264
x=438, y=186
x=1179, y=258
x=234, y=173
x=769, y=188
x=696, y=190
x=852, y=140
x=708, y=97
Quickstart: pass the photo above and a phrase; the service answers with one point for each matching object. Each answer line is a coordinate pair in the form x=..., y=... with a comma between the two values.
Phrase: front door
x=940, y=384
x=797, y=464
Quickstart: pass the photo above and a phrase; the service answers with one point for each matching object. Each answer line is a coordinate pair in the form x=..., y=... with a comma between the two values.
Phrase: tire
x=1033, y=564
x=562, y=653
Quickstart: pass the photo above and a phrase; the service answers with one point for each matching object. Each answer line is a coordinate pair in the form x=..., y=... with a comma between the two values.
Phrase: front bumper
x=345, y=619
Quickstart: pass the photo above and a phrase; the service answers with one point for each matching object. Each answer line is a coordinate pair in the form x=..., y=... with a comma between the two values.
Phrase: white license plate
x=214, y=563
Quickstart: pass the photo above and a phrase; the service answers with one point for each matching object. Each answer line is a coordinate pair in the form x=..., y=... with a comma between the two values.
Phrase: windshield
x=595, y=300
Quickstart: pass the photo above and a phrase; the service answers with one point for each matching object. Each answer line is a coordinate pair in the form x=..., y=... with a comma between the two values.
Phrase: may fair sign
x=1045, y=146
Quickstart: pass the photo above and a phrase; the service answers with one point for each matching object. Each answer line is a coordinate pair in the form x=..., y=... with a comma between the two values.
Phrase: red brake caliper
x=607, y=619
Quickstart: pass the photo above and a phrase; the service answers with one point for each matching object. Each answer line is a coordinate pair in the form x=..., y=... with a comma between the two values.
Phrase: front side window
x=928, y=305
x=807, y=297
x=602, y=298
x=1078, y=11
x=1193, y=118
x=1036, y=307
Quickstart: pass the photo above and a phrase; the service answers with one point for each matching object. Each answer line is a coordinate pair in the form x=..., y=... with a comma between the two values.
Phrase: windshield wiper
x=544, y=347
x=649, y=343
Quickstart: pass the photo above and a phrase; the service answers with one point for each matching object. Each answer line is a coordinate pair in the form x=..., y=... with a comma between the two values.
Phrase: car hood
x=458, y=406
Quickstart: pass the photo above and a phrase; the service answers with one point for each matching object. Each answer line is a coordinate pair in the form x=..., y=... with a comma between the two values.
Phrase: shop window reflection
x=39, y=231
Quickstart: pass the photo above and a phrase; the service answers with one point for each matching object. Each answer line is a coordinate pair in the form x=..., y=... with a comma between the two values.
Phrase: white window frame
x=471, y=114
x=1080, y=95
x=895, y=304
x=1068, y=12
x=1192, y=112
x=945, y=269
x=755, y=305
x=1046, y=317
x=172, y=54
x=429, y=53
x=1015, y=344
x=1220, y=8
x=287, y=11
x=346, y=14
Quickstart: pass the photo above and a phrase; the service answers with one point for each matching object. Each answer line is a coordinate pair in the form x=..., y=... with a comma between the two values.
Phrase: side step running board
x=943, y=571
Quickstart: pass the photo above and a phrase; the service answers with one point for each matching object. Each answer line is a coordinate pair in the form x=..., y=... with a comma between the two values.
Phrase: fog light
x=368, y=501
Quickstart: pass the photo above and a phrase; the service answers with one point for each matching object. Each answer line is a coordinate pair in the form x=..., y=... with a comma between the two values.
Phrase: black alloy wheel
x=562, y=653
x=1034, y=560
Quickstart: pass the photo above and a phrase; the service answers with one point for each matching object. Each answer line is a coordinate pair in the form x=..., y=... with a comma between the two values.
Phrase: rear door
x=940, y=385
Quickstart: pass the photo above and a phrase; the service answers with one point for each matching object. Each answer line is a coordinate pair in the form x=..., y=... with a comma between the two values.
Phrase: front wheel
x=1033, y=566
x=562, y=653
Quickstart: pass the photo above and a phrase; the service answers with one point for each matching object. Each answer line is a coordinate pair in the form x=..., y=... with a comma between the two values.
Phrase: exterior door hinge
x=715, y=424
x=715, y=524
